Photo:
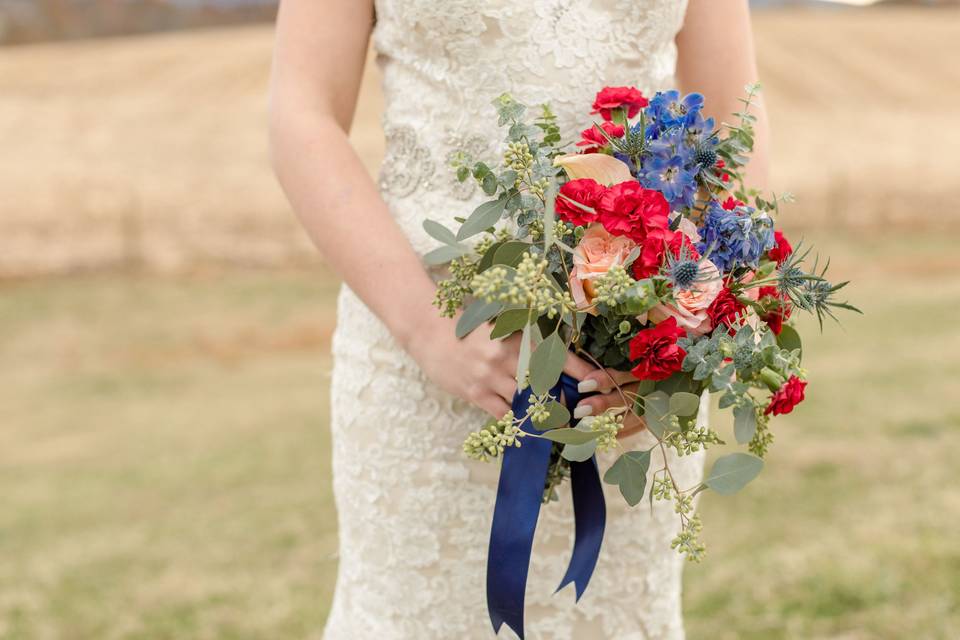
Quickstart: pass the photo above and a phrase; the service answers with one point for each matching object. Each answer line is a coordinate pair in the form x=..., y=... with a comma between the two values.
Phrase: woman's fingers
x=494, y=405
x=505, y=387
x=604, y=380
x=595, y=405
x=577, y=367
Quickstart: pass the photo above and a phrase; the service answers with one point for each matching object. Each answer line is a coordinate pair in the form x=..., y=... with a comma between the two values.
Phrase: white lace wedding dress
x=414, y=514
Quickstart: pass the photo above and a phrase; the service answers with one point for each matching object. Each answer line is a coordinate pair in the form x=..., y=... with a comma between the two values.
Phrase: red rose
x=656, y=352
x=725, y=308
x=787, y=397
x=587, y=192
x=779, y=309
x=781, y=249
x=610, y=98
x=594, y=139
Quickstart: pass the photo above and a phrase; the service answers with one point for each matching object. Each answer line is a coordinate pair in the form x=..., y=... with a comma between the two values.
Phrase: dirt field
x=151, y=151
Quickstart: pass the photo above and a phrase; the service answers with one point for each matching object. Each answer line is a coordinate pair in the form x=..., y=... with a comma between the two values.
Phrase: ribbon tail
x=590, y=517
x=589, y=509
x=519, y=495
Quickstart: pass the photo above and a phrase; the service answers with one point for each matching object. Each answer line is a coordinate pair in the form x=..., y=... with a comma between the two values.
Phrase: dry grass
x=164, y=464
x=152, y=151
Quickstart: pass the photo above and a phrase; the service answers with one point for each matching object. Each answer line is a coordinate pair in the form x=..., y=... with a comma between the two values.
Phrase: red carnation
x=610, y=98
x=627, y=209
x=681, y=244
x=787, y=397
x=781, y=248
x=656, y=352
x=731, y=203
x=594, y=139
x=587, y=192
x=779, y=309
x=725, y=309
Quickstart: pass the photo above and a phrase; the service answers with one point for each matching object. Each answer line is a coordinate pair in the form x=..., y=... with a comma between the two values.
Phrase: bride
x=414, y=514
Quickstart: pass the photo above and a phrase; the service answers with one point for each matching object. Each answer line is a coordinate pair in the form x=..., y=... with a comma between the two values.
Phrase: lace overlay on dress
x=413, y=523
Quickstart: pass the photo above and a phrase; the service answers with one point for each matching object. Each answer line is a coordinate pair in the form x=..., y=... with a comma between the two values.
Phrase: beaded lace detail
x=414, y=513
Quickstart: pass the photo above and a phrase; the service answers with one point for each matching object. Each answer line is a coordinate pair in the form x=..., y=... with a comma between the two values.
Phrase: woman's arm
x=318, y=66
x=716, y=58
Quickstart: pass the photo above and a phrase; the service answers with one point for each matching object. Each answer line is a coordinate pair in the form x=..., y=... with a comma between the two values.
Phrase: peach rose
x=752, y=293
x=687, y=228
x=593, y=257
x=691, y=304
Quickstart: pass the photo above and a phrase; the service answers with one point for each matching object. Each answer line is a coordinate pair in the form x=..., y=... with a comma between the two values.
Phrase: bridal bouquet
x=641, y=251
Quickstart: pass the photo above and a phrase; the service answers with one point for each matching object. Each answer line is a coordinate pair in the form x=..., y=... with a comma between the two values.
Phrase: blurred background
x=165, y=330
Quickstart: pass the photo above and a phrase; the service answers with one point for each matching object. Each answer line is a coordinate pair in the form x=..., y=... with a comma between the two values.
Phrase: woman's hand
x=476, y=369
x=616, y=389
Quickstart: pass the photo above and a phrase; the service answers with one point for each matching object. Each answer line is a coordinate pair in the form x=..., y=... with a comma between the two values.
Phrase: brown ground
x=152, y=150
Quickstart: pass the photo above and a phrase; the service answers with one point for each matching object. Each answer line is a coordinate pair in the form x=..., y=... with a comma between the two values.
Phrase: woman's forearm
x=717, y=58
x=345, y=217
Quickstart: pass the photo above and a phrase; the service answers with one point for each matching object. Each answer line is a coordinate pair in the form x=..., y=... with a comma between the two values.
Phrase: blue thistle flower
x=737, y=237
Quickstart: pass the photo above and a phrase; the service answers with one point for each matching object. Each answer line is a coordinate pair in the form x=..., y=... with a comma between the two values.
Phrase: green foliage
x=510, y=321
x=570, y=436
x=483, y=218
x=732, y=472
x=744, y=422
x=546, y=363
x=556, y=416
x=476, y=314
x=629, y=473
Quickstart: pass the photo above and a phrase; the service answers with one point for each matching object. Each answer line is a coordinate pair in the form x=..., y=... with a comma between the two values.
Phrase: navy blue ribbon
x=519, y=495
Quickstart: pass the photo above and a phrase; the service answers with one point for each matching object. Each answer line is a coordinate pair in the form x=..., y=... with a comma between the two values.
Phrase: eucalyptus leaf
x=744, y=423
x=629, y=472
x=570, y=436
x=656, y=413
x=523, y=360
x=439, y=232
x=476, y=314
x=489, y=184
x=579, y=452
x=509, y=321
x=548, y=215
x=789, y=339
x=546, y=363
x=482, y=218
x=732, y=472
x=486, y=261
x=509, y=253
x=683, y=403
x=442, y=255
x=559, y=416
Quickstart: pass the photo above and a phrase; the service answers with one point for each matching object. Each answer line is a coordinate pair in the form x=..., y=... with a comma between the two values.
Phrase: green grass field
x=164, y=465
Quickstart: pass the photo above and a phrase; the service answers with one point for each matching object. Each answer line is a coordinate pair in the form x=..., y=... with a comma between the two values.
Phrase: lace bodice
x=444, y=61
x=414, y=514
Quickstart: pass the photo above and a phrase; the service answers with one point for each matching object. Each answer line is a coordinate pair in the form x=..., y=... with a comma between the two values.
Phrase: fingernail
x=582, y=411
x=586, y=386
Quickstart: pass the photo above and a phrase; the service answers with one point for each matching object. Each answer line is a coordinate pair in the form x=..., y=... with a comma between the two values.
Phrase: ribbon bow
x=519, y=495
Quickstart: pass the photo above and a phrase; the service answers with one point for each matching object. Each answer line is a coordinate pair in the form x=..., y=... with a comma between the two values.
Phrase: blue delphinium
x=668, y=110
x=672, y=176
x=735, y=237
